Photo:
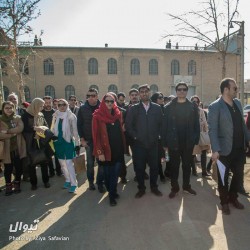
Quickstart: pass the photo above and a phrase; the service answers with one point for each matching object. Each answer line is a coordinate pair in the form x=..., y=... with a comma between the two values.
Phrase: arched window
x=69, y=67
x=48, y=66
x=27, y=93
x=135, y=86
x=112, y=66
x=50, y=91
x=93, y=66
x=175, y=67
x=153, y=67
x=113, y=88
x=6, y=92
x=191, y=68
x=4, y=66
x=23, y=66
x=94, y=86
x=69, y=90
x=153, y=88
x=135, y=67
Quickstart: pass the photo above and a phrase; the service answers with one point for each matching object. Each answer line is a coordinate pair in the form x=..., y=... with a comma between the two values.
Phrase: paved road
x=86, y=221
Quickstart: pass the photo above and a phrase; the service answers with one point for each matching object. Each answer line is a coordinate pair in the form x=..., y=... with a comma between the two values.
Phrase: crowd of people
x=153, y=130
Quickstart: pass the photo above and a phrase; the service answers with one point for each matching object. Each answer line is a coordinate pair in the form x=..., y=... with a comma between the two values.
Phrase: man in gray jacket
x=229, y=138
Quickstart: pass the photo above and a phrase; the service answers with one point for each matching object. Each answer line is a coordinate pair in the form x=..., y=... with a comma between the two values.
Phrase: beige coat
x=21, y=145
x=204, y=128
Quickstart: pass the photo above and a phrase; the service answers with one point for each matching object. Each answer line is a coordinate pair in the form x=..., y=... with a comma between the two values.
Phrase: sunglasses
x=109, y=101
x=182, y=89
x=88, y=96
x=61, y=104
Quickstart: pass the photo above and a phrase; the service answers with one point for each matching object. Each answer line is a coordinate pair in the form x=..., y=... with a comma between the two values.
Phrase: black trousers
x=185, y=155
x=235, y=162
x=44, y=171
x=51, y=166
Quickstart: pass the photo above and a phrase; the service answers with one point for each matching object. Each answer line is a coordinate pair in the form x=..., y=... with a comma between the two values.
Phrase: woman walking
x=64, y=126
x=13, y=146
x=109, y=143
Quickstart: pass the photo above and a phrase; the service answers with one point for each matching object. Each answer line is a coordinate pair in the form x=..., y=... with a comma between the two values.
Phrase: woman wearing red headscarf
x=109, y=143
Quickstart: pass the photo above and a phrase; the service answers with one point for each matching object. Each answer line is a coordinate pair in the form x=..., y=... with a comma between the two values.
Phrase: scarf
x=8, y=120
x=104, y=115
x=64, y=116
x=34, y=110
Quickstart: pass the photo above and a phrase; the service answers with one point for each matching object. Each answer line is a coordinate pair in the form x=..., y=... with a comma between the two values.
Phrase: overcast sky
x=120, y=23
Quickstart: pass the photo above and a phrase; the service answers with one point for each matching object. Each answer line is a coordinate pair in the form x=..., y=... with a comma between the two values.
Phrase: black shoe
x=189, y=191
x=92, y=186
x=124, y=180
x=101, y=189
x=163, y=179
x=156, y=192
x=225, y=209
x=139, y=194
x=34, y=187
x=117, y=196
x=47, y=185
x=236, y=204
x=112, y=202
x=59, y=174
x=146, y=176
x=172, y=194
x=51, y=175
x=26, y=179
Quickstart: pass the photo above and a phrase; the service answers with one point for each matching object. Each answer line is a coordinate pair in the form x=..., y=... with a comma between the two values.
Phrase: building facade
x=62, y=71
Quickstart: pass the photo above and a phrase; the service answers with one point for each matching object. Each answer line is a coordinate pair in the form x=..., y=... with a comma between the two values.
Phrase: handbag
x=204, y=139
x=79, y=163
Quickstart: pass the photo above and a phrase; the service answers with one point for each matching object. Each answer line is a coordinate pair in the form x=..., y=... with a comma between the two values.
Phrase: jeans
x=111, y=174
x=142, y=156
x=186, y=157
x=90, y=166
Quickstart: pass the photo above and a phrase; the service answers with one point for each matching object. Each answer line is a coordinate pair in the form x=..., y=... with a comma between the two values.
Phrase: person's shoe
x=163, y=179
x=8, y=190
x=92, y=186
x=172, y=194
x=189, y=191
x=59, y=174
x=146, y=176
x=52, y=175
x=225, y=209
x=236, y=204
x=26, y=178
x=72, y=189
x=139, y=194
x=124, y=180
x=112, y=202
x=66, y=185
x=17, y=188
x=135, y=179
x=34, y=187
x=47, y=185
x=156, y=192
x=101, y=189
x=117, y=196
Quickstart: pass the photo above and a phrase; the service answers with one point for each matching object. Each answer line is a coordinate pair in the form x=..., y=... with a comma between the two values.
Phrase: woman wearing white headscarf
x=64, y=126
x=33, y=120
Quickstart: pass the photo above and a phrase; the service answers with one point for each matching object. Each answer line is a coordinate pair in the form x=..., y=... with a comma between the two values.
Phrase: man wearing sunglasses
x=73, y=105
x=229, y=138
x=180, y=132
x=84, y=126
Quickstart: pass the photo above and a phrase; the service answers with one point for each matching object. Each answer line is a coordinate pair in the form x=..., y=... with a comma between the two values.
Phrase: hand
x=215, y=156
x=84, y=143
x=77, y=149
x=39, y=129
x=101, y=158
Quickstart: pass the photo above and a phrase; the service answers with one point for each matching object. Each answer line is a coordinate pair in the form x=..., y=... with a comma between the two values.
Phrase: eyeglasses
x=61, y=104
x=182, y=89
x=88, y=96
x=8, y=108
x=73, y=100
x=109, y=101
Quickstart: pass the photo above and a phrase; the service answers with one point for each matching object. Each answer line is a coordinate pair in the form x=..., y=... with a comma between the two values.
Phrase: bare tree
x=210, y=25
x=15, y=17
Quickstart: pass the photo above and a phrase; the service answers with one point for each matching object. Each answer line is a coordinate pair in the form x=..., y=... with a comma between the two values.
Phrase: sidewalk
x=86, y=221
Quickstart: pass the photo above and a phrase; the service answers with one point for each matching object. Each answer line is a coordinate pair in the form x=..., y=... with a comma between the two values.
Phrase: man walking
x=84, y=126
x=180, y=132
x=229, y=137
x=143, y=124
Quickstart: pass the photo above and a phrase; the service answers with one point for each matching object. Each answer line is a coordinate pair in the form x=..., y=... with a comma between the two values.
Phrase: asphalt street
x=55, y=219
